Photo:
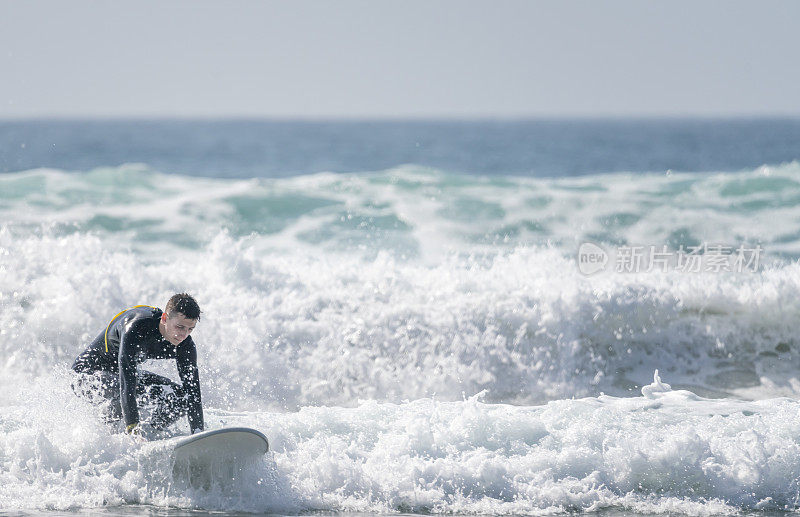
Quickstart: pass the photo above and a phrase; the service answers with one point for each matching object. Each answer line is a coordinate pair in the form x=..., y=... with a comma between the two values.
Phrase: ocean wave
x=291, y=330
x=412, y=212
x=414, y=341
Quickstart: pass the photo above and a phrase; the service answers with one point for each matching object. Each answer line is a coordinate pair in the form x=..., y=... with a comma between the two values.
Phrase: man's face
x=177, y=327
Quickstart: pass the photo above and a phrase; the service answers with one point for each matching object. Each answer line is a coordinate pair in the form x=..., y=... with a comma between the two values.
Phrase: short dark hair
x=185, y=304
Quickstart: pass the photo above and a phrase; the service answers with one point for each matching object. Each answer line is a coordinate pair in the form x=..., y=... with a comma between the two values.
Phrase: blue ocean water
x=403, y=308
x=531, y=148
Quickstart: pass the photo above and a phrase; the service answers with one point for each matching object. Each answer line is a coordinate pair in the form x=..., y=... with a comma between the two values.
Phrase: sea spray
x=526, y=327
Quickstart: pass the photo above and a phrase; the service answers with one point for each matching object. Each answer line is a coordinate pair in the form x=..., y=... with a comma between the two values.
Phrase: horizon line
x=407, y=118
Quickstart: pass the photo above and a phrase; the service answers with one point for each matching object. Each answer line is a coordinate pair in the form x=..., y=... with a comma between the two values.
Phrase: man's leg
x=100, y=388
x=166, y=395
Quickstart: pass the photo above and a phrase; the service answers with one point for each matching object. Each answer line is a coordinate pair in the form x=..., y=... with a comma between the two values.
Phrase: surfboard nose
x=219, y=454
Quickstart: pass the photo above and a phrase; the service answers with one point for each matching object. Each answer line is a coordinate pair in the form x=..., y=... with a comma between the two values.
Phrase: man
x=108, y=368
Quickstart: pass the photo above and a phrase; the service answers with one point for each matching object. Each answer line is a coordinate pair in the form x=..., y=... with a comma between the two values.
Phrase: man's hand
x=135, y=431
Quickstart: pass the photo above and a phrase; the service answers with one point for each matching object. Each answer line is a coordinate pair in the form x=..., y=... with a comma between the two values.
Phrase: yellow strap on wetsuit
x=105, y=337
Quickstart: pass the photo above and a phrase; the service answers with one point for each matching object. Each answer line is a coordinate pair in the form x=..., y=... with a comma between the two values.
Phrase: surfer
x=108, y=368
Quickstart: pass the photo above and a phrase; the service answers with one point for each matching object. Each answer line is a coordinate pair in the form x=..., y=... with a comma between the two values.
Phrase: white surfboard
x=232, y=442
x=217, y=453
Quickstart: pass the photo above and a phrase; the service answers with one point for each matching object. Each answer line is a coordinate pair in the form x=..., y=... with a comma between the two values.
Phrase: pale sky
x=429, y=59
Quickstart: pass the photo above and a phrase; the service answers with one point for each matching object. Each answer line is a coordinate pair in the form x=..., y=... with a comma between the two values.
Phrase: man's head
x=179, y=318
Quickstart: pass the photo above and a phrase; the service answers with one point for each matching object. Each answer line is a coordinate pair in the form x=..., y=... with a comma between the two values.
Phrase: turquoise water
x=412, y=212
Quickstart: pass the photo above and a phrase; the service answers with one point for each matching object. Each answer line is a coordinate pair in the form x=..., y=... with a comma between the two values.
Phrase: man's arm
x=190, y=377
x=127, y=378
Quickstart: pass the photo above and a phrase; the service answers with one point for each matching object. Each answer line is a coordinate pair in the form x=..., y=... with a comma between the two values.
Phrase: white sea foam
x=287, y=331
x=378, y=335
x=667, y=452
x=284, y=330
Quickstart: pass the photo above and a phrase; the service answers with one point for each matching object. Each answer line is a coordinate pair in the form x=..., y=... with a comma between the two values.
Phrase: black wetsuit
x=109, y=369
